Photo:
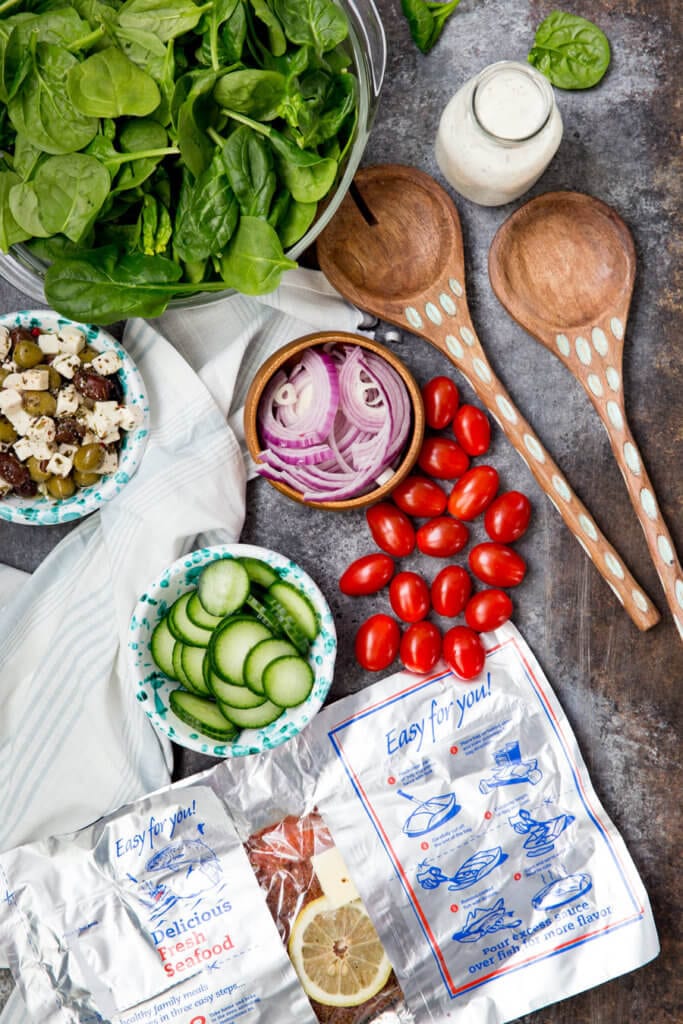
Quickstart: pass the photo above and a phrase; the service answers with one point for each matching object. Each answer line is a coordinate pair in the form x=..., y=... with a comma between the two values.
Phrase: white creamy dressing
x=498, y=133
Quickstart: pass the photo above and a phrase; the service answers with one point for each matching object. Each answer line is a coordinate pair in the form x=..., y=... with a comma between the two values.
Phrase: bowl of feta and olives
x=73, y=418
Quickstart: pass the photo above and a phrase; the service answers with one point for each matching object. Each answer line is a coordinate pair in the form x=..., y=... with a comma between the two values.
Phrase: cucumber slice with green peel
x=287, y=625
x=223, y=586
x=161, y=648
x=178, y=666
x=197, y=613
x=259, y=656
x=259, y=571
x=202, y=714
x=183, y=628
x=230, y=693
x=231, y=643
x=192, y=663
x=251, y=718
x=299, y=607
x=263, y=615
x=288, y=680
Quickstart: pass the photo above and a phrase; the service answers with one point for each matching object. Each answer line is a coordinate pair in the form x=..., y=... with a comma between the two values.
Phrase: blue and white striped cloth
x=74, y=743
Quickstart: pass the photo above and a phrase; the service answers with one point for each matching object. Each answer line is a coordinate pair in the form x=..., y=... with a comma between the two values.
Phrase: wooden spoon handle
x=457, y=339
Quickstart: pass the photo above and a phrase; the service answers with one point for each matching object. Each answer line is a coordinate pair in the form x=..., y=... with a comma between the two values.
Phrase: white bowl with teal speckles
x=45, y=511
x=153, y=689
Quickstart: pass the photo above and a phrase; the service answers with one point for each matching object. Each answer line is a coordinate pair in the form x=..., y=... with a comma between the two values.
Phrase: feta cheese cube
x=5, y=343
x=41, y=434
x=23, y=448
x=19, y=418
x=103, y=420
x=67, y=449
x=59, y=464
x=66, y=364
x=129, y=417
x=35, y=380
x=12, y=380
x=73, y=340
x=10, y=399
x=110, y=463
x=106, y=363
x=49, y=344
x=67, y=400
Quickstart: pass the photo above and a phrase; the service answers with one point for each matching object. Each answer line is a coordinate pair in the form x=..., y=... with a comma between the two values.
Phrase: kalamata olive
x=27, y=489
x=89, y=458
x=92, y=385
x=38, y=469
x=12, y=470
x=68, y=430
x=27, y=354
x=18, y=334
x=60, y=487
x=8, y=434
x=39, y=403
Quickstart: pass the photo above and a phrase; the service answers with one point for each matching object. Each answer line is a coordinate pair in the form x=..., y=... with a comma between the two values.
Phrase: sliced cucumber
x=288, y=680
x=161, y=647
x=223, y=586
x=259, y=656
x=192, y=662
x=286, y=624
x=263, y=615
x=231, y=643
x=197, y=613
x=230, y=693
x=178, y=666
x=251, y=718
x=202, y=714
x=259, y=571
x=298, y=606
x=183, y=628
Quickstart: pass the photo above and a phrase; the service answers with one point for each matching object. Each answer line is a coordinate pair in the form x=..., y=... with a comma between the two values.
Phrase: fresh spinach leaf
x=69, y=192
x=259, y=94
x=248, y=161
x=42, y=109
x=24, y=207
x=192, y=113
x=144, y=143
x=207, y=214
x=326, y=101
x=165, y=18
x=156, y=227
x=26, y=157
x=571, y=51
x=426, y=20
x=108, y=84
x=277, y=41
x=254, y=261
x=317, y=23
x=211, y=49
x=295, y=222
x=10, y=231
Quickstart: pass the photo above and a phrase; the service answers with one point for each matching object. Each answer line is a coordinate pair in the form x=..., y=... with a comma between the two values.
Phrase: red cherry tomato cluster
x=473, y=492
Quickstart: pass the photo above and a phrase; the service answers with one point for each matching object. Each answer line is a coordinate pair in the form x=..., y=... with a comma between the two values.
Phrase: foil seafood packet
x=426, y=850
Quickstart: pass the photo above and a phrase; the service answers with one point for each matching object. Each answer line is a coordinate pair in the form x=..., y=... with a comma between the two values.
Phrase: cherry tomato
x=497, y=564
x=391, y=529
x=450, y=590
x=418, y=496
x=377, y=642
x=508, y=516
x=442, y=537
x=420, y=647
x=472, y=429
x=473, y=492
x=367, y=575
x=463, y=652
x=488, y=609
x=409, y=596
x=443, y=458
x=441, y=398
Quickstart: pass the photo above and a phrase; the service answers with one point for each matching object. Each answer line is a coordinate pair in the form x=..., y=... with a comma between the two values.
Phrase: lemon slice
x=338, y=954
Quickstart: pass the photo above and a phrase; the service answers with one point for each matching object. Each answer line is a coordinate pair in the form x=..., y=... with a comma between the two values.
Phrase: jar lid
x=511, y=102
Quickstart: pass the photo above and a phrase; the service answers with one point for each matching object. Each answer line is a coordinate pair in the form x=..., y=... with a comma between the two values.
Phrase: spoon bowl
x=394, y=248
x=563, y=266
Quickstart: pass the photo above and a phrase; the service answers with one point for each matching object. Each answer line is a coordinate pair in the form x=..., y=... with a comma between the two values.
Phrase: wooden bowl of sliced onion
x=334, y=420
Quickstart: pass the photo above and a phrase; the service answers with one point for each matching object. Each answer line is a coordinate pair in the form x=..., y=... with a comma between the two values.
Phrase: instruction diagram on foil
x=540, y=835
x=484, y=921
x=510, y=769
x=471, y=871
x=429, y=814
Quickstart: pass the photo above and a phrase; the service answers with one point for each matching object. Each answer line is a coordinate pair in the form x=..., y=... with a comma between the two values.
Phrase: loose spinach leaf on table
x=571, y=51
x=254, y=261
x=426, y=20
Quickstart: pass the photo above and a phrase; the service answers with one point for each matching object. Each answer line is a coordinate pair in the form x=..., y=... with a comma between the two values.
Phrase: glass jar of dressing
x=499, y=133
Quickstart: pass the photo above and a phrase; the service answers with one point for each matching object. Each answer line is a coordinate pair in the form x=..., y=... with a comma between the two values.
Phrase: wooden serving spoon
x=394, y=248
x=563, y=265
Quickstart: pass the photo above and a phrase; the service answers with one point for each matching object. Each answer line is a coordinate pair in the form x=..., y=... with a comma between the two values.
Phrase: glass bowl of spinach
x=170, y=152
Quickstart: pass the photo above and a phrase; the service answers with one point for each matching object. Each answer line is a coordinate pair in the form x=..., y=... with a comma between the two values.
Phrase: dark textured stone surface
x=620, y=688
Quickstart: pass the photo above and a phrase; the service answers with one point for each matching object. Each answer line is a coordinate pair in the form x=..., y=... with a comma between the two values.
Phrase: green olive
x=3, y=374
x=87, y=354
x=89, y=458
x=85, y=479
x=37, y=474
x=27, y=354
x=8, y=434
x=54, y=379
x=39, y=403
x=60, y=487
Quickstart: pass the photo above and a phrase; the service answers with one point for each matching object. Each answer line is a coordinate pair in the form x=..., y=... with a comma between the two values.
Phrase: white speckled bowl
x=152, y=689
x=42, y=511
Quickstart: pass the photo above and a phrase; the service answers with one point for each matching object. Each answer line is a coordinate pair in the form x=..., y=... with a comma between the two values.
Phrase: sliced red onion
x=334, y=424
